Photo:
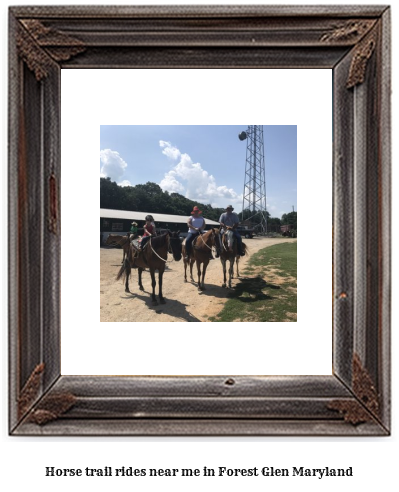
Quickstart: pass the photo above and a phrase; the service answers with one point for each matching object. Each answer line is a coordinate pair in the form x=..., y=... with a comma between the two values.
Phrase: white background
x=292, y=97
x=23, y=459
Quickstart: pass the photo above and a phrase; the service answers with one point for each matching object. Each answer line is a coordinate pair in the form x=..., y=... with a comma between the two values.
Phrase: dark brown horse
x=118, y=240
x=228, y=253
x=153, y=257
x=201, y=252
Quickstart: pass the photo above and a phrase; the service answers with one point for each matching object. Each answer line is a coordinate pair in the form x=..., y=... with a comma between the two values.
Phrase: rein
x=210, y=247
x=169, y=250
x=222, y=241
x=152, y=249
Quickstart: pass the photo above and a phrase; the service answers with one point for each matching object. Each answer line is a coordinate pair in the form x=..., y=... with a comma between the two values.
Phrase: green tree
x=150, y=197
x=289, y=219
x=273, y=224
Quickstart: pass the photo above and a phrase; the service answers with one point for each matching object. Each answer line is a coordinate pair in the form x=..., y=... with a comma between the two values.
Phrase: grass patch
x=270, y=295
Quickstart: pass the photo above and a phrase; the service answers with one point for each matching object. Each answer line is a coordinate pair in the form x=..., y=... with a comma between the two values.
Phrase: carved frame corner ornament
x=348, y=31
x=366, y=406
x=354, y=43
x=362, y=55
x=39, y=45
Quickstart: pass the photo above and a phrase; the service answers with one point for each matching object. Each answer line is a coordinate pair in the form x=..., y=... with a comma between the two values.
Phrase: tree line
x=150, y=197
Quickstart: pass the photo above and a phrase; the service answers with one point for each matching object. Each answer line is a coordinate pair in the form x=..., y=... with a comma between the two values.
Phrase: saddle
x=135, y=243
x=194, y=243
x=136, y=252
x=196, y=247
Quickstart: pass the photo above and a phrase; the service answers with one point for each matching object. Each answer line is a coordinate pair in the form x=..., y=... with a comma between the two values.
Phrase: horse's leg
x=199, y=274
x=224, y=271
x=237, y=260
x=140, y=282
x=160, y=277
x=128, y=271
x=191, y=269
x=203, y=274
x=231, y=270
x=153, y=283
x=185, y=270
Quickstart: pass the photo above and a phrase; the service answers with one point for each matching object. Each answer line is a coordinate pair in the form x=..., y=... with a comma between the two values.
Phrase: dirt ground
x=183, y=301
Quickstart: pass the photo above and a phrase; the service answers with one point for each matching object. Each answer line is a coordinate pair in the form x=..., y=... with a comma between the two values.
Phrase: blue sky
x=203, y=163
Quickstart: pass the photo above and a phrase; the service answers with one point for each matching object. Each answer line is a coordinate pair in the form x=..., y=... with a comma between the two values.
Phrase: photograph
x=204, y=216
x=145, y=400
x=353, y=397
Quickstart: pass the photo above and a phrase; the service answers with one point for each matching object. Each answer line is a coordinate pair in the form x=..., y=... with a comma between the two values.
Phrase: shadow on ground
x=174, y=308
x=251, y=290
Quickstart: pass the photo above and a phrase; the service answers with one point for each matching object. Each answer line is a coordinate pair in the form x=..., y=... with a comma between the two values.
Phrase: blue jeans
x=189, y=240
x=238, y=237
x=144, y=240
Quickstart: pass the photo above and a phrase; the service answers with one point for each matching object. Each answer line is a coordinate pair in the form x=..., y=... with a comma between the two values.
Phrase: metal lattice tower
x=254, y=196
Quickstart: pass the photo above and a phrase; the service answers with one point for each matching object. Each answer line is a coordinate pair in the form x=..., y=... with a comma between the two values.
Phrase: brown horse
x=228, y=252
x=118, y=240
x=153, y=256
x=201, y=252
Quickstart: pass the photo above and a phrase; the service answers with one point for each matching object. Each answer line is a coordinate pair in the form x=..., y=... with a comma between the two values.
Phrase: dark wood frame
x=353, y=41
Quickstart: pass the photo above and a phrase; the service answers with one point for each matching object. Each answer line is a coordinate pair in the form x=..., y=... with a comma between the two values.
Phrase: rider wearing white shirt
x=196, y=224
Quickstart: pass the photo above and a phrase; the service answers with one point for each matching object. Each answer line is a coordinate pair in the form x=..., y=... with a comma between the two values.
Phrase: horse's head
x=175, y=245
x=217, y=239
x=208, y=239
x=229, y=237
x=113, y=239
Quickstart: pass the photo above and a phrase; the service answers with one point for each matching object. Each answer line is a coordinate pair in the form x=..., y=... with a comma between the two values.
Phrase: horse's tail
x=244, y=249
x=122, y=271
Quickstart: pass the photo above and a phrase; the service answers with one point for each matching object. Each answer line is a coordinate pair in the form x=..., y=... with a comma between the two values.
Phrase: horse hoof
x=223, y=285
x=142, y=288
x=127, y=291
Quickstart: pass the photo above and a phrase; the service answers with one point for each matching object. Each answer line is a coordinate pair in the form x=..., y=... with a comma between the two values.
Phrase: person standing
x=230, y=219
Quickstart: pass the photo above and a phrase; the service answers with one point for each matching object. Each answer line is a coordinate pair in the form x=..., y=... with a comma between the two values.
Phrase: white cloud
x=113, y=166
x=190, y=179
x=171, y=184
x=169, y=150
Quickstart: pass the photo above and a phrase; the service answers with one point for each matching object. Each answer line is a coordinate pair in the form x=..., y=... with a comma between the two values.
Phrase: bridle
x=225, y=235
x=170, y=240
x=211, y=235
x=169, y=248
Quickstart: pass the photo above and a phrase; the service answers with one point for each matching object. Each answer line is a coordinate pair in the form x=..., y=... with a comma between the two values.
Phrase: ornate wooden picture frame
x=352, y=41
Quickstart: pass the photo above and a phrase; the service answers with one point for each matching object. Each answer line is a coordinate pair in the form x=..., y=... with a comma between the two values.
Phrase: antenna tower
x=254, y=196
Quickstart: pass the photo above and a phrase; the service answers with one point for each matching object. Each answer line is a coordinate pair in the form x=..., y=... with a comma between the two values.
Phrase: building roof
x=106, y=213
